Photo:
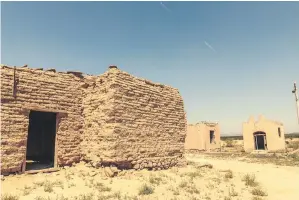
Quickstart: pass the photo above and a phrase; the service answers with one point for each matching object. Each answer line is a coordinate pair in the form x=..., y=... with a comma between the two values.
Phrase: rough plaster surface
x=198, y=136
x=274, y=142
x=113, y=118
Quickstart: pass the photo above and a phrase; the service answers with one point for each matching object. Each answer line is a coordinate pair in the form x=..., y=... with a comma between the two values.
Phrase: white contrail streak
x=164, y=6
x=209, y=46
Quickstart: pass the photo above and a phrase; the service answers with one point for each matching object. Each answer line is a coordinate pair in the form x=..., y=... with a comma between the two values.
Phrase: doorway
x=41, y=140
x=260, y=141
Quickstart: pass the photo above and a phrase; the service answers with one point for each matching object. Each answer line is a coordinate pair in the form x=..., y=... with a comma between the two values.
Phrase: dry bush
x=9, y=197
x=293, y=144
x=230, y=143
x=101, y=187
x=232, y=192
x=27, y=190
x=84, y=197
x=256, y=198
x=250, y=180
x=258, y=192
x=48, y=186
x=192, y=189
x=229, y=174
x=155, y=180
x=183, y=184
x=146, y=190
x=39, y=183
x=42, y=198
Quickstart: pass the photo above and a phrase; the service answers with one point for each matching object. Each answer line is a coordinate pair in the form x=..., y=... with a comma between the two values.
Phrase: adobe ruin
x=112, y=119
x=203, y=136
x=263, y=135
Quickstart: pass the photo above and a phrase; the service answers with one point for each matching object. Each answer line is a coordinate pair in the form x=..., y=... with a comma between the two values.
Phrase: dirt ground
x=226, y=180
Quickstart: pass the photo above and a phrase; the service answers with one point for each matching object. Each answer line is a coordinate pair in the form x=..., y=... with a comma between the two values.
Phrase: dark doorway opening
x=212, y=136
x=41, y=140
x=260, y=141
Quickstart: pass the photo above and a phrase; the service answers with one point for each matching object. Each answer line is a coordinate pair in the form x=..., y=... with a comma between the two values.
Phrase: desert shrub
x=9, y=197
x=183, y=184
x=48, y=186
x=84, y=197
x=258, y=192
x=250, y=180
x=227, y=198
x=256, y=198
x=192, y=189
x=101, y=187
x=42, y=198
x=228, y=174
x=232, y=192
x=229, y=143
x=155, y=180
x=192, y=175
x=294, y=145
x=146, y=190
x=39, y=183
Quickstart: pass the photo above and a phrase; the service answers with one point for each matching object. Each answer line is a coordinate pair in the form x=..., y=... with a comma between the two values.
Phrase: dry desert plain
x=229, y=175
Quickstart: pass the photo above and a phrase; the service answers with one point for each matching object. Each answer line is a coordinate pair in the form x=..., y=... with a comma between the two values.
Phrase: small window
x=279, y=132
x=212, y=136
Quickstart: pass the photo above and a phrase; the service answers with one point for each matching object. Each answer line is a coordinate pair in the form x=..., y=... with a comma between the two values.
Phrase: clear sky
x=229, y=60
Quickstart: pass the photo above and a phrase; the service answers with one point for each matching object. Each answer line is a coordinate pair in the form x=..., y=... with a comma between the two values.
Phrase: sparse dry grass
x=230, y=143
x=232, y=192
x=48, y=186
x=146, y=190
x=9, y=197
x=101, y=187
x=250, y=180
x=229, y=174
x=258, y=192
x=256, y=198
x=155, y=180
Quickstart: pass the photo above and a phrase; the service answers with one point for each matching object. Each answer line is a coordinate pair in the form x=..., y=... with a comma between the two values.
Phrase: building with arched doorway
x=263, y=134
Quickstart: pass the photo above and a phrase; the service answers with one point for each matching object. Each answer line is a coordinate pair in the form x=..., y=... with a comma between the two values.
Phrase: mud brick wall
x=150, y=123
x=44, y=91
x=98, y=144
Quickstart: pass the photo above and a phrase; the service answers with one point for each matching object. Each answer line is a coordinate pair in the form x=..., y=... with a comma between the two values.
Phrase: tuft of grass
x=41, y=198
x=146, y=190
x=39, y=183
x=155, y=180
x=48, y=186
x=192, y=189
x=258, y=192
x=9, y=197
x=250, y=180
x=256, y=198
x=232, y=192
x=193, y=175
x=229, y=174
x=101, y=187
x=27, y=190
x=230, y=143
x=183, y=184
x=84, y=197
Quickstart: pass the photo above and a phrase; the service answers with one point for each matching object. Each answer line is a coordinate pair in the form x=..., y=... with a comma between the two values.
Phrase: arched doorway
x=260, y=140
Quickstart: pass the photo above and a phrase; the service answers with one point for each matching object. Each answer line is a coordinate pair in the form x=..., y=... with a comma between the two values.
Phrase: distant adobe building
x=263, y=134
x=54, y=119
x=203, y=136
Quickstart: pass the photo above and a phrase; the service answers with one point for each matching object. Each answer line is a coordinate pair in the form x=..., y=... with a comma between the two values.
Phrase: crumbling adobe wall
x=98, y=145
x=44, y=91
x=150, y=123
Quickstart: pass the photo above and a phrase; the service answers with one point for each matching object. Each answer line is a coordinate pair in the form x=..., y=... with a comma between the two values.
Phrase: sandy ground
x=82, y=182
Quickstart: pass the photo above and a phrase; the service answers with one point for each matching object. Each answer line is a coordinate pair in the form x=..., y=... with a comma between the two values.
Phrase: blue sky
x=229, y=60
